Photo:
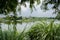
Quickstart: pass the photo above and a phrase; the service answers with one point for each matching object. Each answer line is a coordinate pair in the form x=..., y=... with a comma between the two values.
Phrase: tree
x=56, y=6
x=7, y=6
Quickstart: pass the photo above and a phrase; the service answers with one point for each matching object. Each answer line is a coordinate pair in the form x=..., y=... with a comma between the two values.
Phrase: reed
x=38, y=31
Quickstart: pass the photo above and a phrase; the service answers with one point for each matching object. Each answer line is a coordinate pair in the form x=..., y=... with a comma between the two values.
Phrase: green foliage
x=35, y=33
x=55, y=2
x=44, y=31
x=39, y=31
x=7, y=6
x=56, y=6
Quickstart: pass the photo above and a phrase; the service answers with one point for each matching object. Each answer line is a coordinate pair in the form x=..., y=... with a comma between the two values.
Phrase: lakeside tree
x=7, y=6
x=56, y=6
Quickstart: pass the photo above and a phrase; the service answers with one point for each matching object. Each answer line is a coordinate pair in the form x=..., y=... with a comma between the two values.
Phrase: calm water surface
x=23, y=25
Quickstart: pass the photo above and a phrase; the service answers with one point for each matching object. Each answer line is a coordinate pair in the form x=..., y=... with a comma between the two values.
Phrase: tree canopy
x=56, y=6
x=7, y=6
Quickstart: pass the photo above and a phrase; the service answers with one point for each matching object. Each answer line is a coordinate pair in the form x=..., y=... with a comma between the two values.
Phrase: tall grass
x=45, y=31
x=39, y=31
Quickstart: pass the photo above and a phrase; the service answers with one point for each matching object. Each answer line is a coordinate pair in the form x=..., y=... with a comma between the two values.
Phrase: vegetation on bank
x=38, y=31
x=24, y=19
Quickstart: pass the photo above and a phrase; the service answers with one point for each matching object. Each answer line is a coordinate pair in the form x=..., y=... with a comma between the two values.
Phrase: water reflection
x=20, y=26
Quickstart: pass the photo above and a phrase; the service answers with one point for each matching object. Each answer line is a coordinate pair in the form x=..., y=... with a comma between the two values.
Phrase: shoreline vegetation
x=31, y=19
x=38, y=31
x=12, y=9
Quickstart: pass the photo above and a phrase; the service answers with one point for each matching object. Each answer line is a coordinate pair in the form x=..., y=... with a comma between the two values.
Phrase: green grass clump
x=38, y=31
x=45, y=31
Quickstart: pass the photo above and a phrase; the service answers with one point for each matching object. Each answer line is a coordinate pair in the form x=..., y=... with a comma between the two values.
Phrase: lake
x=24, y=25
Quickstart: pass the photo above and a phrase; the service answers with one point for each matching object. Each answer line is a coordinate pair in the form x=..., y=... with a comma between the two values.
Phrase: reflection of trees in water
x=6, y=33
